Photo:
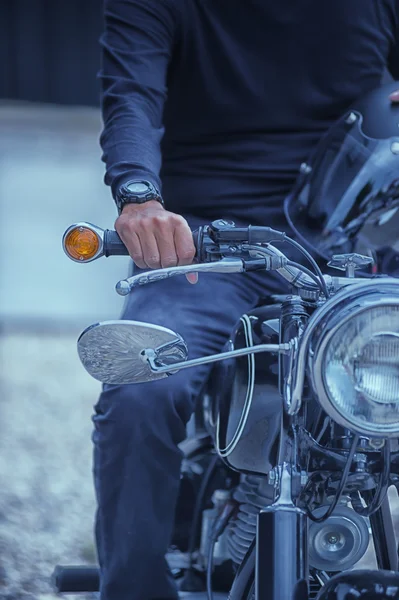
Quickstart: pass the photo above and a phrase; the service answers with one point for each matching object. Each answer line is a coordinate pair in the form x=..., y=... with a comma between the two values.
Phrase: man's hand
x=155, y=237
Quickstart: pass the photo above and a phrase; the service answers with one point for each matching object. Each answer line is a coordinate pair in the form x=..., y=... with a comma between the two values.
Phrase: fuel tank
x=242, y=403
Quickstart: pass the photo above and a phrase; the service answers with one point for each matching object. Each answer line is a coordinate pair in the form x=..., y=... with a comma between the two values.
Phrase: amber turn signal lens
x=81, y=243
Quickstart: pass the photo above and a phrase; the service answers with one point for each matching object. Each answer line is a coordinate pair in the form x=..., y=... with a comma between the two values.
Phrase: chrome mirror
x=116, y=352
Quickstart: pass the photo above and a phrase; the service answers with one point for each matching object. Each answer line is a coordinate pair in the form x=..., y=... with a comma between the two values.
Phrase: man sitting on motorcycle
x=209, y=109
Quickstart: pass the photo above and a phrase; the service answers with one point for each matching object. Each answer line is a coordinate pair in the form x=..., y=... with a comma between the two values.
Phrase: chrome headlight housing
x=353, y=358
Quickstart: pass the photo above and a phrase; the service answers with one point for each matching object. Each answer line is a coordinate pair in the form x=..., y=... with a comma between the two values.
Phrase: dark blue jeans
x=138, y=429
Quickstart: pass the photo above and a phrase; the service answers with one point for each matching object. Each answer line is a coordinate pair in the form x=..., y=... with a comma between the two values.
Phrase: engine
x=252, y=494
x=336, y=544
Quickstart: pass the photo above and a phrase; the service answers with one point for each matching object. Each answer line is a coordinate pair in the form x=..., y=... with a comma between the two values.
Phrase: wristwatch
x=136, y=192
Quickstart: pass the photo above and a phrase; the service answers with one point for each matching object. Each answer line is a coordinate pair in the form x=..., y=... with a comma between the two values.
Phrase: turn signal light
x=81, y=243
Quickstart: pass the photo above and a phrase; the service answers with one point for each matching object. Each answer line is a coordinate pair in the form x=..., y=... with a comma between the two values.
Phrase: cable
x=218, y=528
x=382, y=489
x=340, y=488
x=312, y=261
x=319, y=281
x=209, y=569
x=323, y=429
x=307, y=272
x=198, y=506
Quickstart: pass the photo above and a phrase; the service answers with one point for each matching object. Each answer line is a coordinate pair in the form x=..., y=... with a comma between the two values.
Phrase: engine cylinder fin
x=253, y=493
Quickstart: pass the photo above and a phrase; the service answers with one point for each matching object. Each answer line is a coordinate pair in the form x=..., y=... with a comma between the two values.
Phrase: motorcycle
x=295, y=436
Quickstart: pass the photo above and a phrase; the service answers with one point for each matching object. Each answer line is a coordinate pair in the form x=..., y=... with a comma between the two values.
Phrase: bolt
x=360, y=457
x=361, y=461
x=305, y=168
x=81, y=229
x=233, y=248
x=351, y=118
x=350, y=269
x=333, y=539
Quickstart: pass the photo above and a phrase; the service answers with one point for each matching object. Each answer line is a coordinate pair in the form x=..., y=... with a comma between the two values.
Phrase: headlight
x=354, y=363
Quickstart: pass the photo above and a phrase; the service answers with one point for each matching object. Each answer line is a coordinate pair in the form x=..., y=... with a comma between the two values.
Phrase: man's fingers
x=185, y=249
x=132, y=243
x=151, y=254
x=394, y=97
x=192, y=277
x=166, y=246
x=184, y=244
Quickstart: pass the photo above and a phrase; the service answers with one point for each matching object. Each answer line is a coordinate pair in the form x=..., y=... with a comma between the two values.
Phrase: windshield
x=352, y=190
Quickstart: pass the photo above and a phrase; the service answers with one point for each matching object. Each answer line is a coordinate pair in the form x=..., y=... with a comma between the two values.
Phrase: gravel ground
x=46, y=499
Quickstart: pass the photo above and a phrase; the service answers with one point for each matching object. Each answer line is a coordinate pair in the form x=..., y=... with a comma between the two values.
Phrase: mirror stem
x=150, y=356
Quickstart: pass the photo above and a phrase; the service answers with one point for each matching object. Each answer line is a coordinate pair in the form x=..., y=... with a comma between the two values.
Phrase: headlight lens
x=361, y=370
x=377, y=370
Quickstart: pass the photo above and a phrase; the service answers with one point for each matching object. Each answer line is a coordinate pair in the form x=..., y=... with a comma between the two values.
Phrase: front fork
x=281, y=571
x=281, y=568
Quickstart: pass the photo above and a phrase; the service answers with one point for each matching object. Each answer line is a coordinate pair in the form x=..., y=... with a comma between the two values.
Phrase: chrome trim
x=298, y=278
x=287, y=384
x=97, y=230
x=283, y=490
x=224, y=452
x=149, y=355
x=289, y=273
x=354, y=291
x=284, y=481
x=111, y=351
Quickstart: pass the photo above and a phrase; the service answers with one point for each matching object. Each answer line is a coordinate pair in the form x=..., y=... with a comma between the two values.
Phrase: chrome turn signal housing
x=83, y=242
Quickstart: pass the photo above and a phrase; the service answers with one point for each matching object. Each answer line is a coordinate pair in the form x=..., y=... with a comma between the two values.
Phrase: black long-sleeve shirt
x=217, y=102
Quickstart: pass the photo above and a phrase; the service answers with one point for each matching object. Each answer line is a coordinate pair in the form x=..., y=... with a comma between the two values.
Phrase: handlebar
x=291, y=274
x=113, y=245
x=106, y=242
x=220, y=247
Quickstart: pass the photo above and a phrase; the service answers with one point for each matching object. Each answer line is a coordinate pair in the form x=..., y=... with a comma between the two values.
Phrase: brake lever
x=226, y=265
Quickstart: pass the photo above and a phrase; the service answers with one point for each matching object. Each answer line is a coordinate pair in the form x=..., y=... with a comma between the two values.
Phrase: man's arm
x=137, y=45
x=136, y=49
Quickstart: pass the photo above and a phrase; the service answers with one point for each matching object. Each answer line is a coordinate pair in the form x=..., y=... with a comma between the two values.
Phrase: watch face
x=137, y=187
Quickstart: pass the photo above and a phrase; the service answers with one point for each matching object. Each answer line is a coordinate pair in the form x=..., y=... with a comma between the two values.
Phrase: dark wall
x=49, y=50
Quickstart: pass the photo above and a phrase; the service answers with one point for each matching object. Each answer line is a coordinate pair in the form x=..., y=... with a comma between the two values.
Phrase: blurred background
x=51, y=175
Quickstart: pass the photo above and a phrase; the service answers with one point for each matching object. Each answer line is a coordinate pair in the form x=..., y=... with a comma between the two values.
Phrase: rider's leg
x=137, y=429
